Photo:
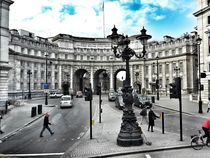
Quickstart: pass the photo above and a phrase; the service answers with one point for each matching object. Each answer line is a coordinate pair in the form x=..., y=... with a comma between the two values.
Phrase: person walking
x=152, y=116
x=143, y=114
x=46, y=125
x=208, y=106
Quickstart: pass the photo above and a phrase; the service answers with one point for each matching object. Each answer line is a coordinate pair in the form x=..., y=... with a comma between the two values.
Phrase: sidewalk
x=19, y=117
x=105, y=134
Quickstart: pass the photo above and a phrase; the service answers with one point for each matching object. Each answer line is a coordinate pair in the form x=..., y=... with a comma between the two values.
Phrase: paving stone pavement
x=105, y=134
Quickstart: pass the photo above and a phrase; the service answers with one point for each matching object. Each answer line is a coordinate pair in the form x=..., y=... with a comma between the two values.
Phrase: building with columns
x=82, y=60
x=203, y=29
x=4, y=55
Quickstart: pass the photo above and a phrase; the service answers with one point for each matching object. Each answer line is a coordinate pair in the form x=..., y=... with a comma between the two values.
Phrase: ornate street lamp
x=130, y=132
x=29, y=83
x=46, y=99
x=157, y=80
x=198, y=40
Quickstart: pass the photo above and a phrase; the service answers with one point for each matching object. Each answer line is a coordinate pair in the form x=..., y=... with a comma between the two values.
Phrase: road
x=69, y=125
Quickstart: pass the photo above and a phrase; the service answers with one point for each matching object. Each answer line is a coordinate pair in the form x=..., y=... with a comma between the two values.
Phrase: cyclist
x=206, y=129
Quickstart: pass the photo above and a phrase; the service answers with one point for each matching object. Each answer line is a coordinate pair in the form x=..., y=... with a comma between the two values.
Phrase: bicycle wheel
x=196, y=143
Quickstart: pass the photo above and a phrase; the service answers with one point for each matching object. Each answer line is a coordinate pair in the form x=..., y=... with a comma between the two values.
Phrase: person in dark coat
x=46, y=125
x=152, y=116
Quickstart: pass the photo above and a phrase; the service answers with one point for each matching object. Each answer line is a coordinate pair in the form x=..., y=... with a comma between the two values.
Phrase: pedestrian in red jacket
x=206, y=128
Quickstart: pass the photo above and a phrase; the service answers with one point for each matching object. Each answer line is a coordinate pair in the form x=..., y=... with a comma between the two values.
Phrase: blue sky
x=84, y=18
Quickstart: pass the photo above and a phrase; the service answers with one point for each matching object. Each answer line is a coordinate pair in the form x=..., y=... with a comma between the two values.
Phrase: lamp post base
x=130, y=132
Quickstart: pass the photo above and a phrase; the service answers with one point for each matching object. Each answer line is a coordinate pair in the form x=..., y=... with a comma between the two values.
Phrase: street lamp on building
x=157, y=85
x=198, y=40
x=29, y=83
x=47, y=86
x=130, y=132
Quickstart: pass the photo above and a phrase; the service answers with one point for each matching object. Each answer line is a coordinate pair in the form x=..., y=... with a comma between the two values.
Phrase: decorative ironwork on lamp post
x=130, y=132
x=198, y=40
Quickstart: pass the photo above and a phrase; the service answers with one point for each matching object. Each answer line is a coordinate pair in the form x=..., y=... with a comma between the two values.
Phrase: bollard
x=39, y=109
x=162, y=117
x=153, y=99
x=33, y=111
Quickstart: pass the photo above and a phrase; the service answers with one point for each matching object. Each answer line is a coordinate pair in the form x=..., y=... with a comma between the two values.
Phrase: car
x=119, y=102
x=112, y=96
x=55, y=95
x=66, y=101
x=79, y=94
x=142, y=101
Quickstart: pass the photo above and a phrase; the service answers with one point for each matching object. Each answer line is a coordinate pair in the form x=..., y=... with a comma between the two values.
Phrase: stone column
x=71, y=79
x=111, y=77
x=4, y=53
x=91, y=76
x=131, y=75
x=59, y=77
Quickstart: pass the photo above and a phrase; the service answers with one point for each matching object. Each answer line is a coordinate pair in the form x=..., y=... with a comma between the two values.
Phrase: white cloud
x=26, y=14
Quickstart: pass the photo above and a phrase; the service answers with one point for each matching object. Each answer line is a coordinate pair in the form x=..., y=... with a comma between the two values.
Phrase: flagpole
x=103, y=19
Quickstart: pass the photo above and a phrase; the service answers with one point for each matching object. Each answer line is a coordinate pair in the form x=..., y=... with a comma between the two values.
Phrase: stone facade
x=203, y=29
x=80, y=60
x=4, y=57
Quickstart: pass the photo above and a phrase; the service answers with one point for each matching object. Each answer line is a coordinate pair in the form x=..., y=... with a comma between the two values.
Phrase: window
x=160, y=69
x=208, y=19
x=180, y=50
x=209, y=42
x=173, y=52
x=208, y=2
x=167, y=68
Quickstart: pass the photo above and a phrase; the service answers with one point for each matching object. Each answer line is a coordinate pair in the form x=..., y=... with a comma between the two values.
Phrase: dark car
x=119, y=102
x=112, y=96
x=142, y=101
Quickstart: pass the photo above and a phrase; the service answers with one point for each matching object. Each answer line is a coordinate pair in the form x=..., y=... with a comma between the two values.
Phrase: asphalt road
x=69, y=125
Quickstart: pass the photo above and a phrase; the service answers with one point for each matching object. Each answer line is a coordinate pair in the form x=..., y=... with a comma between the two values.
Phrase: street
x=69, y=125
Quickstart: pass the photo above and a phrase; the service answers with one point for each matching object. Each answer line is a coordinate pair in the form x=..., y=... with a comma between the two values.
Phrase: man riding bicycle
x=206, y=129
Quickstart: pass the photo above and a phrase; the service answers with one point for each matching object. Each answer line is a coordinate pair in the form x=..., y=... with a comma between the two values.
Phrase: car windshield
x=66, y=98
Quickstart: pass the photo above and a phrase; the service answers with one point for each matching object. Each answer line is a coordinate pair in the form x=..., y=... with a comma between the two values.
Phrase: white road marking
x=41, y=154
x=148, y=156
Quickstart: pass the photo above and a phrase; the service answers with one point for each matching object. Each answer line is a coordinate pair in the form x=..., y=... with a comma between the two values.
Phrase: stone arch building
x=82, y=60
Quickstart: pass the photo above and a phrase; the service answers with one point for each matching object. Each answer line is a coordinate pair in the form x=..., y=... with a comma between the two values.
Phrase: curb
x=142, y=151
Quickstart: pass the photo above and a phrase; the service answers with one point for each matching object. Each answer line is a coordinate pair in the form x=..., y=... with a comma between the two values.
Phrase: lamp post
x=46, y=99
x=130, y=132
x=157, y=80
x=29, y=83
x=198, y=40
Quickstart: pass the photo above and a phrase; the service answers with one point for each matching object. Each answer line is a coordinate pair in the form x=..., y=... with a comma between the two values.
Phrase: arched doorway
x=81, y=80
x=101, y=77
x=119, y=78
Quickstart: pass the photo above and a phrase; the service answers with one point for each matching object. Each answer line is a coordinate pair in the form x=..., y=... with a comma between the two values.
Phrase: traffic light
x=203, y=75
x=88, y=94
x=175, y=89
x=157, y=84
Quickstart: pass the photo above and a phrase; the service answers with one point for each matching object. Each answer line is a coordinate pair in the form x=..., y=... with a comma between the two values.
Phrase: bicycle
x=197, y=141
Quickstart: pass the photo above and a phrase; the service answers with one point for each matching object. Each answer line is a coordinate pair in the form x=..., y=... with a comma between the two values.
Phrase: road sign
x=46, y=86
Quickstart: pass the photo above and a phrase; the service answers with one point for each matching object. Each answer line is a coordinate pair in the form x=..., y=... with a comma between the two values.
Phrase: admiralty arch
x=84, y=60
x=26, y=58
